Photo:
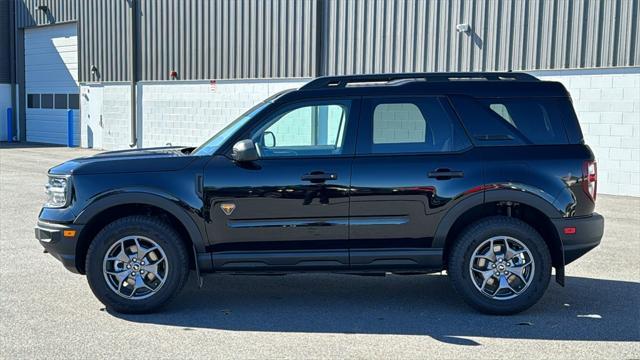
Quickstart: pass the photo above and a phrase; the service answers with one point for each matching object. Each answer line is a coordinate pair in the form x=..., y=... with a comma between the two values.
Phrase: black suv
x=484, y=175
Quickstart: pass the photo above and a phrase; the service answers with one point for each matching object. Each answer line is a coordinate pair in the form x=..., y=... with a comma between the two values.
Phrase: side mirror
x=268, y=134
x=244, y=151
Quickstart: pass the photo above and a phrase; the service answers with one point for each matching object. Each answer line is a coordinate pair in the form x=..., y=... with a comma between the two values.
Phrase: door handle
x=316, y=176
x=445, y=174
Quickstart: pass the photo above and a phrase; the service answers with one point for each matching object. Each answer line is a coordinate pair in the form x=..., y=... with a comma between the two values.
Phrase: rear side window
x=411, y=125
x=538, y=120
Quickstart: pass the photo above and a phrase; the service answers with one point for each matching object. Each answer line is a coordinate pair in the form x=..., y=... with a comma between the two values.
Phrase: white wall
x=607, y=102
x=188, y=113
x=180, y=113
x=5, y=102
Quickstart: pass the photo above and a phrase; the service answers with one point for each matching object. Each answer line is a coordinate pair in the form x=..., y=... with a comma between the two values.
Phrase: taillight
x=590, y=182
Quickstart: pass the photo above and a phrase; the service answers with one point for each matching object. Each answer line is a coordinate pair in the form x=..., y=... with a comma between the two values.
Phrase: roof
x=477, y=84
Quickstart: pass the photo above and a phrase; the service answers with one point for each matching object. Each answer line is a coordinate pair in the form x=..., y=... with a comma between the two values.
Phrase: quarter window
x=538, y=120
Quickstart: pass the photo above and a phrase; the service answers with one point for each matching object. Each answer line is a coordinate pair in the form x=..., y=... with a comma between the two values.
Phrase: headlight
x=58, y=191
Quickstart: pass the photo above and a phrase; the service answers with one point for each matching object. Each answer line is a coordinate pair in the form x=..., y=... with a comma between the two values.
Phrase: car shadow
x=586, y=309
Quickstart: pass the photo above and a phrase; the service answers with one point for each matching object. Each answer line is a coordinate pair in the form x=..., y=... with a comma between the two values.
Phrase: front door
x=290, y=208
x=413, y=161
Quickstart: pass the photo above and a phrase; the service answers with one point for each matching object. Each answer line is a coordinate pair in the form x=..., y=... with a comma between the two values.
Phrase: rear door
x=413, y=162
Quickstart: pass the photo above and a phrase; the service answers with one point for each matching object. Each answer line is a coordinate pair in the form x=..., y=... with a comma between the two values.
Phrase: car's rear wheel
x=137, y=264
x=500, y=265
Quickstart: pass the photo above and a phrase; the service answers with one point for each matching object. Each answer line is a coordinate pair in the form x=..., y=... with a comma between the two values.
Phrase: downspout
x=133, y=67
x=12, y=56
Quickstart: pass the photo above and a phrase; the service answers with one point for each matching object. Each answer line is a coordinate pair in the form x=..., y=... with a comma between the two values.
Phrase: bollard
x=70, y=128
x=9, y=125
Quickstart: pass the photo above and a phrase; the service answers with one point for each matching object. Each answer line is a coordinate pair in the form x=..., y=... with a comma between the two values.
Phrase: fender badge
x=227, y=208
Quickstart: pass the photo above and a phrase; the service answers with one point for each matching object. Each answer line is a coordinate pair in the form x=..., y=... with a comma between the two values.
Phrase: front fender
x=186, y=214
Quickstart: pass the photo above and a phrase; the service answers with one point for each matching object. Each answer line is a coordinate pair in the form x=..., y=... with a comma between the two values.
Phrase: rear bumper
x=52, y=237
x=587, y=235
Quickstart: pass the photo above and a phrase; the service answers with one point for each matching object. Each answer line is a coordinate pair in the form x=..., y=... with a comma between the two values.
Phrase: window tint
x=536, y=119
x=33, y=101
x=61, y=101
x=398, y=123
x=414, y=125
x=46, y=101
x=307, y=130
x=74, y=101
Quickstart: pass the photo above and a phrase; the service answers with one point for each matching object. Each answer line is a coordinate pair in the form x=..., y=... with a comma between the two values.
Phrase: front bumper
x=62, y=246
x=587, y=235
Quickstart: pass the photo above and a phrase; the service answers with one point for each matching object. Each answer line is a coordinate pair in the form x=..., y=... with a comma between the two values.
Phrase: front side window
x=420, y=125
x=310, y=130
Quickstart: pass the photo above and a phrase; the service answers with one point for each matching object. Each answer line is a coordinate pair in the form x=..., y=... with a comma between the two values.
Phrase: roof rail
x=342, y=81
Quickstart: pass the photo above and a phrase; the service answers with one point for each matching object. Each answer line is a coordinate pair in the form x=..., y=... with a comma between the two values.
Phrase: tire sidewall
x=479, y=232
x=160, y=233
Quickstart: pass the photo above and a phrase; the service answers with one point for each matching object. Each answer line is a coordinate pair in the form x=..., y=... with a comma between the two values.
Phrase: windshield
x=213, y=144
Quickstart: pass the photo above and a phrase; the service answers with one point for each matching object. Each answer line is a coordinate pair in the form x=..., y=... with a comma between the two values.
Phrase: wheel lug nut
x=133, y=273
x=142, y=263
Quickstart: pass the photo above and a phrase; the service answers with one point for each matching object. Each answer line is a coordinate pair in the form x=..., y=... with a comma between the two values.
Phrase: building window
x=46, y=101
x=74, y=101
x=61, y=101
x=33, y=101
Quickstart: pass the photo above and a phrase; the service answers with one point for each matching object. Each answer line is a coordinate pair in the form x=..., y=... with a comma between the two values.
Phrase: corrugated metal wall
x=413, y=35
x=206, y=39
x=202, y=39
x=5, y=63
x=104, y=40
x=27, y=13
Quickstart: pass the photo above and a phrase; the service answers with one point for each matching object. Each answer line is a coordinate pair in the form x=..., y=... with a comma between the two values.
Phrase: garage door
x=51, y=82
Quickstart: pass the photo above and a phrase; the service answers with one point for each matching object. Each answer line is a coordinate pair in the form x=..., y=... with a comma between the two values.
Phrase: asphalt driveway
x=46, y=311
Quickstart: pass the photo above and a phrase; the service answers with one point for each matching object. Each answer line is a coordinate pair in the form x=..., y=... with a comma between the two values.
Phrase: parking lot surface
x=48, y=312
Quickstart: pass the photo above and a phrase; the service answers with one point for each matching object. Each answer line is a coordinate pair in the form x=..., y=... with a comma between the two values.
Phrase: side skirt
x=355, y=261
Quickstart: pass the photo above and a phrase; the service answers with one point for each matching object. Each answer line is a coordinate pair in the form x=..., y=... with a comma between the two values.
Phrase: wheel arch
x=112, y=207
x=529, y=208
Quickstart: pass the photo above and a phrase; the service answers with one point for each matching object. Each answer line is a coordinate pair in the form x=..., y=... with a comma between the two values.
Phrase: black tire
x=472, y=237
x=165, y=236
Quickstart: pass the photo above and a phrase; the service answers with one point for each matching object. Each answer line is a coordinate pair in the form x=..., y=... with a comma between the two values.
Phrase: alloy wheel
x=135, y=267
x=501, y=267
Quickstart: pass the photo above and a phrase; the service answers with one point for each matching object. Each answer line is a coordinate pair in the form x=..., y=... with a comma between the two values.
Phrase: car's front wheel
x=137, y=264
x=500, y=265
